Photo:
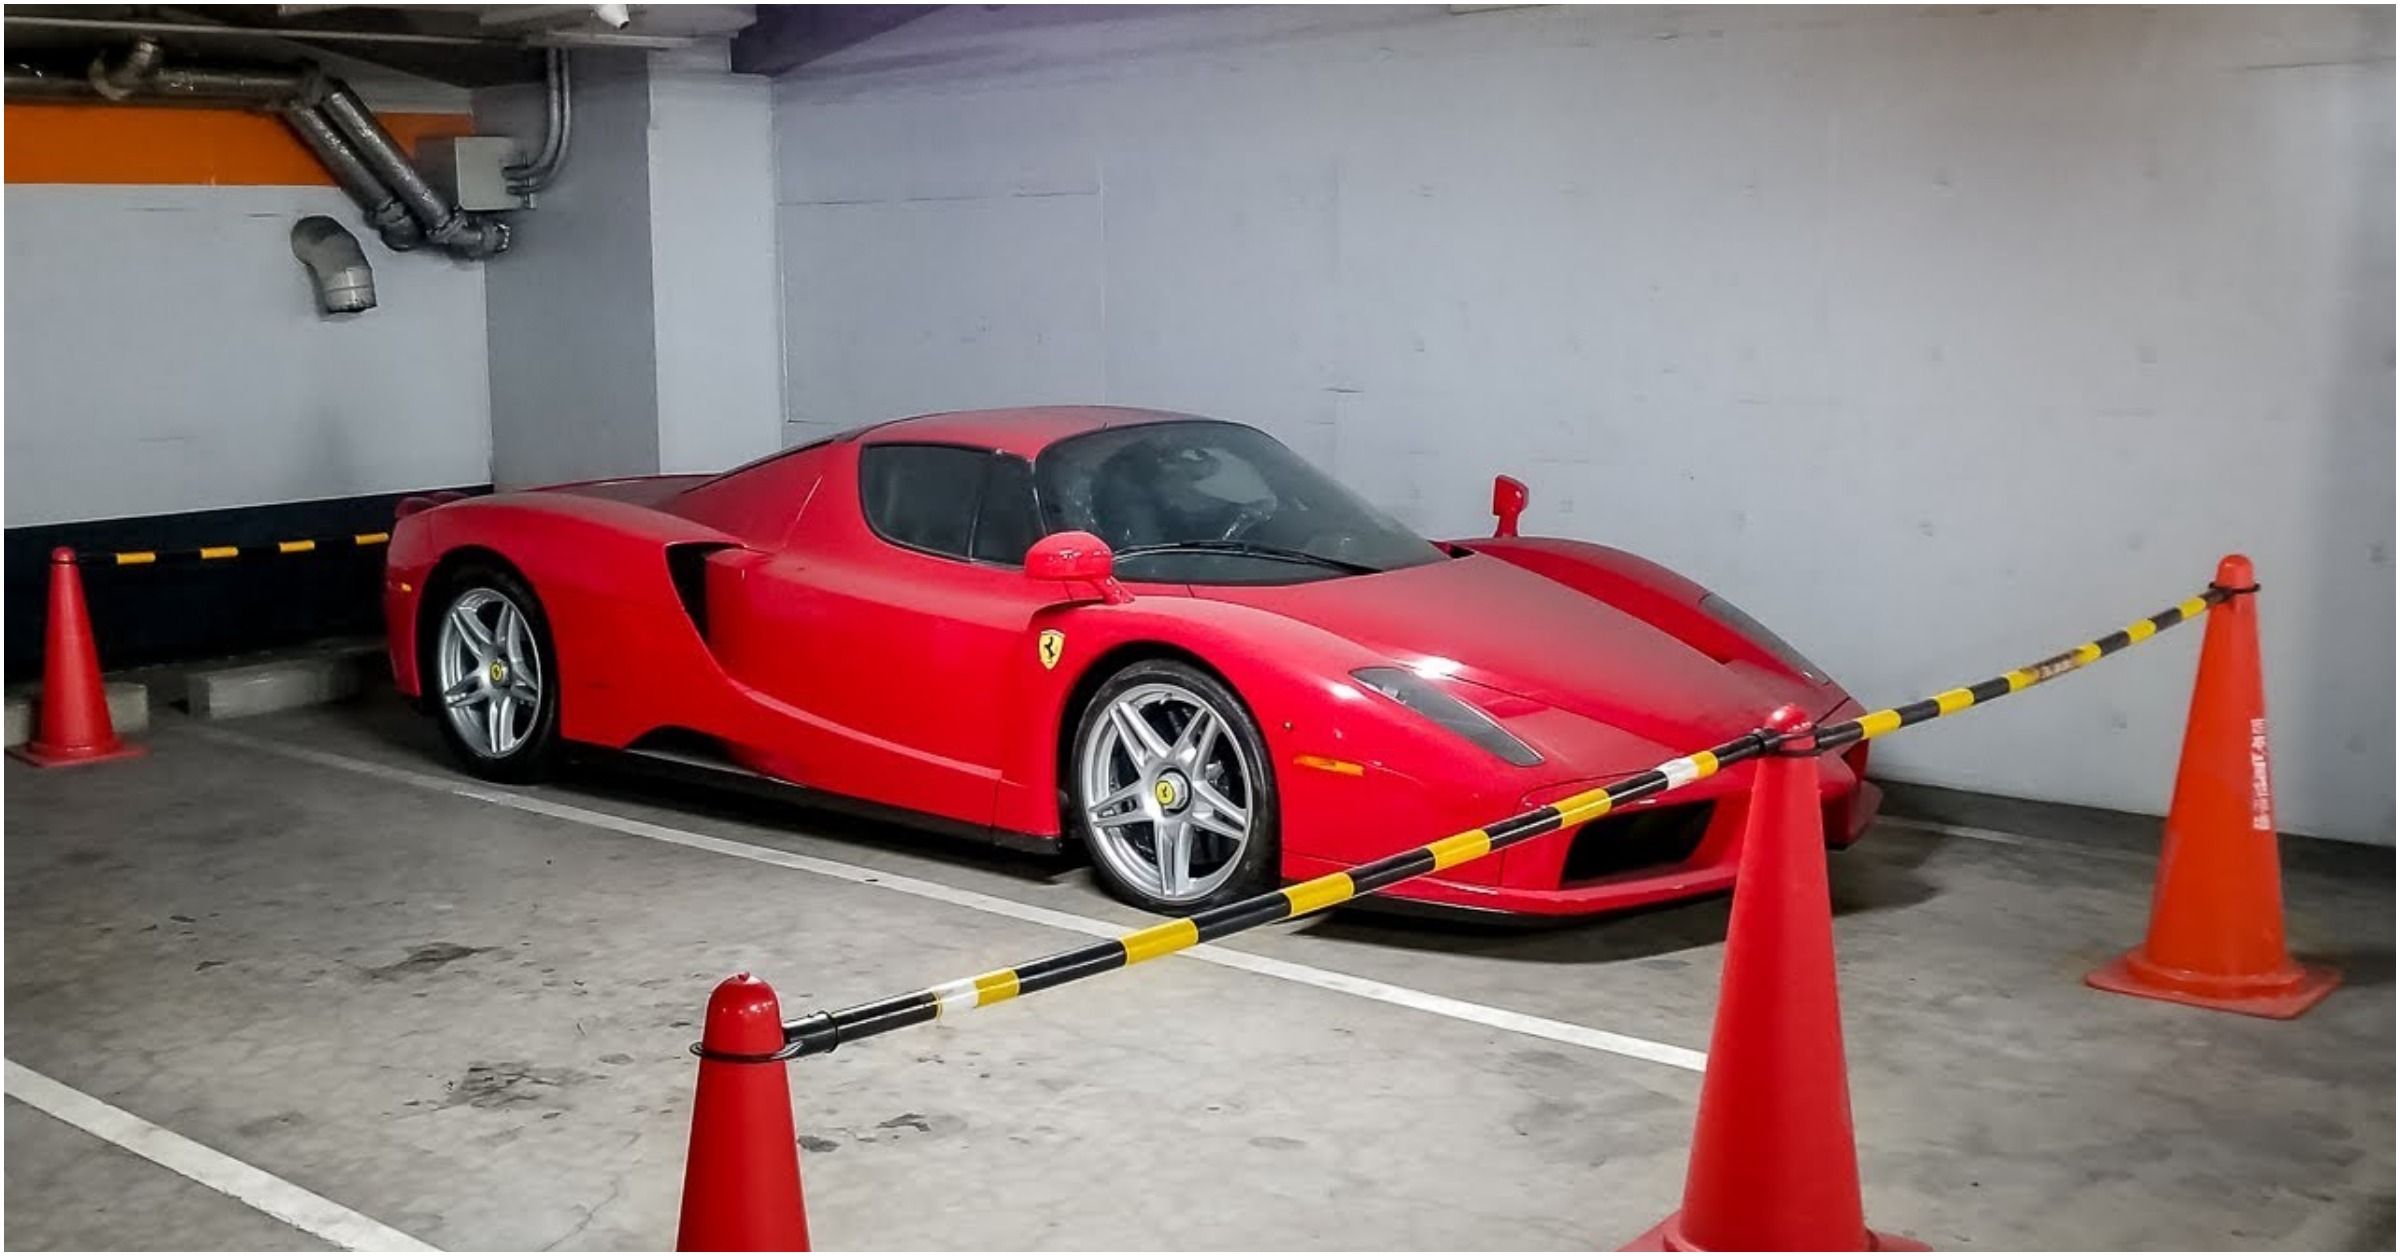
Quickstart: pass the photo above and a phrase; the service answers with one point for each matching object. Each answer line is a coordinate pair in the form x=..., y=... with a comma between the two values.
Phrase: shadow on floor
x=1870, y=877
x=1863, y=880
x=603, y=775
x=799, y=814
x=1879, y=873
x=2364, y=966
x=1639, y=934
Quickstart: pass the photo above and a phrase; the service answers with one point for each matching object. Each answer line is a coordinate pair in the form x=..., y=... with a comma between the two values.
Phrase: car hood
x=1523, y=634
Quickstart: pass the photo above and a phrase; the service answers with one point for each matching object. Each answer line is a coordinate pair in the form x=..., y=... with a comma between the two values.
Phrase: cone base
x=2276, y=996
x=42, y=756
x=1667, y=1236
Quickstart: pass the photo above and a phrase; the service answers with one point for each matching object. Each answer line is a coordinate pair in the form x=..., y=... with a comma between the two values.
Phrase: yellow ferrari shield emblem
x=1049, y=646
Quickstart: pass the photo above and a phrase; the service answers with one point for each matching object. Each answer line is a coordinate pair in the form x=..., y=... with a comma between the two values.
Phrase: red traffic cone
x=71, y=725
x=1773, y=1164
x=2216, y=917
x=741, y=1179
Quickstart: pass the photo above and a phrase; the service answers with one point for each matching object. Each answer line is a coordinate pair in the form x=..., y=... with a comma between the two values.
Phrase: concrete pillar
x=713, y=277
x=633, y=327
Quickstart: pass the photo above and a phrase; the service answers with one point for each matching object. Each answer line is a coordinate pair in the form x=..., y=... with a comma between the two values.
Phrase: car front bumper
x=1683, y=845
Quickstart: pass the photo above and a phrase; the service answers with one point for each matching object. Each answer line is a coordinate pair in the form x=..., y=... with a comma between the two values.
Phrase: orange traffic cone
x=1773, y=1164
x=741, y=1179
x=2216, y=917
x=72, y=725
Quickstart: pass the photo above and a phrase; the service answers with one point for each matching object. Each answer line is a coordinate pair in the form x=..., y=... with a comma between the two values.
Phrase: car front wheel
x=1172, y=790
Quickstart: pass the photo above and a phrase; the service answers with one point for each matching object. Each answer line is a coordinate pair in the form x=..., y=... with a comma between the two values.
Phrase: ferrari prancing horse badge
x=1051, y=644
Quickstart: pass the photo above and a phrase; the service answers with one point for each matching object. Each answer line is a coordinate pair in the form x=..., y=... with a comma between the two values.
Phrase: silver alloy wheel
x=1167, y=793
x=490, y=672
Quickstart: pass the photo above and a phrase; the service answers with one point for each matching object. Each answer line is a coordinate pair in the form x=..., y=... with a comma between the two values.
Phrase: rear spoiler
x=418, y=503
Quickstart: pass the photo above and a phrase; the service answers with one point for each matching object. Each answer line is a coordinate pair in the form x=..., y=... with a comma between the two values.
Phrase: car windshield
x=1205, y=502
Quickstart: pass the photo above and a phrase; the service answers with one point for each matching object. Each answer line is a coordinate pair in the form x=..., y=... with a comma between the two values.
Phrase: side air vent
x=687, y=566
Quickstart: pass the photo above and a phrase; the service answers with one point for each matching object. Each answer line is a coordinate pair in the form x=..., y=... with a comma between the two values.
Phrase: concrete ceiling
x=468, y=45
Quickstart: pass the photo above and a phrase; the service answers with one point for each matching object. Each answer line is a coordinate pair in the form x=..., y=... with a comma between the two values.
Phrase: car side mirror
x=1080, y=558
x=1508, y=502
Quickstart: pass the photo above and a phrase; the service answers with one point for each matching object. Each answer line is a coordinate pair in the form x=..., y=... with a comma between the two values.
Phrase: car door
x=888, y=617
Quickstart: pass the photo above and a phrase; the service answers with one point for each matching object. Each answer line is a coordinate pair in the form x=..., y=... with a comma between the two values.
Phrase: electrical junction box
x=470, y=170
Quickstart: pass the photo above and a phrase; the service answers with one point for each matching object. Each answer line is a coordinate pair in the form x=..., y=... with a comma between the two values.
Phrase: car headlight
x=1423, y=697
x=1736, y=618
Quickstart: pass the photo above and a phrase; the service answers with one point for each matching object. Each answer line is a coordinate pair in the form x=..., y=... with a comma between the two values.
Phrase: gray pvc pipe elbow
x=338, y=266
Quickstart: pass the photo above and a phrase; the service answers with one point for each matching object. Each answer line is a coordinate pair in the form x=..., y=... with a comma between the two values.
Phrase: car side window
x=1008, y=523
x=922, y=496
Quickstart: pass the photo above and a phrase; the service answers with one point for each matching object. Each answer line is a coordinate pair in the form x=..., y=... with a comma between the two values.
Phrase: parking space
x=96, y=1195
x=1288, y=558
x=462, y=1011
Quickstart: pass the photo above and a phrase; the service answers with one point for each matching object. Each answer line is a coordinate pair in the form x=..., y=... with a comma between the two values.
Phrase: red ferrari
x=1166, y=637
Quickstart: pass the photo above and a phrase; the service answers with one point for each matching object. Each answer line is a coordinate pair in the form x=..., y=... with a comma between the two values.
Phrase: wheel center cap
x=498, y=672
x=1171, y=791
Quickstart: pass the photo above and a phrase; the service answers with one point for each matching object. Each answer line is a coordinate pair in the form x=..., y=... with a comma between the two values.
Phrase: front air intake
x=1636, y=841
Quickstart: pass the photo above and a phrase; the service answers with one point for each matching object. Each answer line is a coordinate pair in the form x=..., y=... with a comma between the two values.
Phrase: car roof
x=1024, y=431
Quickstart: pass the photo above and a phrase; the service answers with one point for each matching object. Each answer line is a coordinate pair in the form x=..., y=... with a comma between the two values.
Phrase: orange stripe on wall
x=77, y=143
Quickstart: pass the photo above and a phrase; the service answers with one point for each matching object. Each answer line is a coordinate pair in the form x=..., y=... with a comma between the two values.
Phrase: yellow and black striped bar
x=221, y=553
x=820, y=1032
x=1951, y=701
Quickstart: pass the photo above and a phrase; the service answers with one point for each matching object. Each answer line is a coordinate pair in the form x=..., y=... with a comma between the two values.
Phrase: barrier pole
x=820, y=1032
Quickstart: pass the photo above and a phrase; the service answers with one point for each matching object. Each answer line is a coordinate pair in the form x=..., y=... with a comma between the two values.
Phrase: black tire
x=1258, y=865
x=532, y=758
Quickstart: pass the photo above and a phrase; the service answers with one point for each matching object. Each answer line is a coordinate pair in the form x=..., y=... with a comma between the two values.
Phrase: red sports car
x=1166, y=637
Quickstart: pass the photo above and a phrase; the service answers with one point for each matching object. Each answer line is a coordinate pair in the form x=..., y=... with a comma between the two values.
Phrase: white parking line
x=1324, y=979
x=295, y=1206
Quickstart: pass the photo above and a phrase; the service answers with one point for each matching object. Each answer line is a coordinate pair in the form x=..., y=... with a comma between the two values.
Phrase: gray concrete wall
x=1938, y=339
x=165, y=352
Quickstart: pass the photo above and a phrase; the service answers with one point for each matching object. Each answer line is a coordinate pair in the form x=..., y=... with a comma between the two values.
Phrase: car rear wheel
x=491, y=676
x=1172, y=790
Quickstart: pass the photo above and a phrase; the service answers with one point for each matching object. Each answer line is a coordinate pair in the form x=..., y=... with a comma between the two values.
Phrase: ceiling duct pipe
x=554, y=38
x=128, y=76
x=466, y=235
x=345, y=283
x=328, y=117
x=384, y=212
x=140, y=76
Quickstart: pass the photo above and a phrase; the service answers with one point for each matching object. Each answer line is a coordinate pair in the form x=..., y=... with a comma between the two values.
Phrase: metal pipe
x=553, y=39
x=126, y=77
x=467, y=235
x=25, y=82
x=520, y=173
x=559, y=80
x=390, y=219
x=174, y=85
x=554, y=100
x=202, y=84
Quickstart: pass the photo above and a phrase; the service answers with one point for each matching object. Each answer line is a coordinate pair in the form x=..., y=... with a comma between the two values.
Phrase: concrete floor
x=468, y=1021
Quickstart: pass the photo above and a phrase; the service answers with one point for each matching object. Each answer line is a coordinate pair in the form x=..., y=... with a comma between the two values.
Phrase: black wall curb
x=159, y=613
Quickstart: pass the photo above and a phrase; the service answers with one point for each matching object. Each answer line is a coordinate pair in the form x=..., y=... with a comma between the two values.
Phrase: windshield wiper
x=1250, y=549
